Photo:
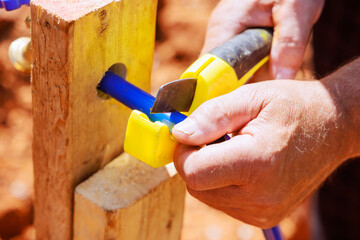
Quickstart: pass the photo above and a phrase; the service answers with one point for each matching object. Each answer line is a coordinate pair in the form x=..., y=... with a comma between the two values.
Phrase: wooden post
x=130, y=200
x=75, y=132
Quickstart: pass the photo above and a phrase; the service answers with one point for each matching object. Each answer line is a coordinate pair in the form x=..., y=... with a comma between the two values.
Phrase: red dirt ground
x=180, y=35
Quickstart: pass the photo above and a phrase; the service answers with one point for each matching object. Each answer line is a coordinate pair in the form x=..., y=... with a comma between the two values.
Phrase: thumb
x=291, y=35
x=218, y=116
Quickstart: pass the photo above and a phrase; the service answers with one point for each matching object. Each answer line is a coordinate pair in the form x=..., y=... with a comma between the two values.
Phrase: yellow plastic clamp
x=150, y=142
x=215, y=77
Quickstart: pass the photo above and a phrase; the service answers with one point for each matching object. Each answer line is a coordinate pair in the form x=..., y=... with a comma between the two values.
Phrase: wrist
x=344, y=89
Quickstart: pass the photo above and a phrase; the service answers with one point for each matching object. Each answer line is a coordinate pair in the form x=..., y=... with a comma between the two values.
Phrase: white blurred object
x=20, y=54
x=19, y=190
x=245, y=232
x=213, y=232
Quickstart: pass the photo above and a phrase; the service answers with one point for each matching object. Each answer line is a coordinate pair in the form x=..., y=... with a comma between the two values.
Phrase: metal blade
x=175, y=96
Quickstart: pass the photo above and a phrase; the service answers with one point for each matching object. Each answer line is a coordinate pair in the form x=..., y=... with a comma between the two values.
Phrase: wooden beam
x=130, y=200
x=75, y=132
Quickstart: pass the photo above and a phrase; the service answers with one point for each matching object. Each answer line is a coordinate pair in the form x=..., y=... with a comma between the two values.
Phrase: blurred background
x=181, y=26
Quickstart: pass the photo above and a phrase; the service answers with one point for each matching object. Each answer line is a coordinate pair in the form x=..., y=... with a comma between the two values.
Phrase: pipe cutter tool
x=225, y=68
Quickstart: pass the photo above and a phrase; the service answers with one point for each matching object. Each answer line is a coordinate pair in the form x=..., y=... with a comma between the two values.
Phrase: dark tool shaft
x=245, y=50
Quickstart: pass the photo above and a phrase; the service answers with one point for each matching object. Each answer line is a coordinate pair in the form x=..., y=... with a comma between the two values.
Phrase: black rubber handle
x=245, y=50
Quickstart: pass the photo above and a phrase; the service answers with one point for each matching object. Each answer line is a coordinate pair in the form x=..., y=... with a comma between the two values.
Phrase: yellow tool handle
x=230, y=65
x=218, y=72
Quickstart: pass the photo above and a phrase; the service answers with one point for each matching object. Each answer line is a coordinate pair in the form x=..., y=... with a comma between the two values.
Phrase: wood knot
x=169, y=224
x=102, y=15
x=104, y=21
x=47, y=25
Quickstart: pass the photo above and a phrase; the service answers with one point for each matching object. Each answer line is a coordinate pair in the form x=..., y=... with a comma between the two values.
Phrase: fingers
x=218, y=165
x=293, y=22
x=232, y=17
x=219, y=116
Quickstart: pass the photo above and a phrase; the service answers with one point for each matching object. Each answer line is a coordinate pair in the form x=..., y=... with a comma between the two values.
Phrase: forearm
x=344, y=88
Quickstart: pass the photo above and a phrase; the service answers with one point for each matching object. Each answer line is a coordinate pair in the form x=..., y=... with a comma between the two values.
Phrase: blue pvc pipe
x=273, y=233
x=10, y=5
x=135, y=98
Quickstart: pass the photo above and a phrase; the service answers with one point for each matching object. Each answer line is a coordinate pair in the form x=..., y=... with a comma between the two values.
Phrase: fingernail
x=187, y=127
x=285, y=73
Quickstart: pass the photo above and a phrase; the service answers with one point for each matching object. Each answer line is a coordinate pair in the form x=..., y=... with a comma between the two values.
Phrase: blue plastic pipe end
x=10, y=5
x=135, y=98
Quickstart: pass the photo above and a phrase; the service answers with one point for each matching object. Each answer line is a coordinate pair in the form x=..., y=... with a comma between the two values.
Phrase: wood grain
x=130, y=200
x=75, y=132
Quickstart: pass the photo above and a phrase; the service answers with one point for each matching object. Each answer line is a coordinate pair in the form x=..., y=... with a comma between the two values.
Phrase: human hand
x=288, y=136
x=292, y=21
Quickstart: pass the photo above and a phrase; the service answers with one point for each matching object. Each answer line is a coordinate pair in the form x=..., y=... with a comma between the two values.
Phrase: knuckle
x=210, y=110
x=292, y=42
x=219, y=111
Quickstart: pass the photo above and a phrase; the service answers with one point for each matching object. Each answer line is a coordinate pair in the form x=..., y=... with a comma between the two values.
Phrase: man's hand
x=292, y=21
x=288, y=136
